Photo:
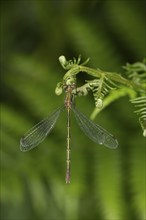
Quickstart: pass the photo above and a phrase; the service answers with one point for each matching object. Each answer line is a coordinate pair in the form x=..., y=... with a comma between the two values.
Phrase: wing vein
x=94, y=131
x=38, y=133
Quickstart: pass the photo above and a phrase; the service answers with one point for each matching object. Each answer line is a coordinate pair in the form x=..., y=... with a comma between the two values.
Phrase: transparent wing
x=93, y=131
x=39, y=132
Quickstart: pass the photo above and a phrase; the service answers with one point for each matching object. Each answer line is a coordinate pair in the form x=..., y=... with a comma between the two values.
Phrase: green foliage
x=106, y=184
x=106, y=82
x=137, y=73
x=141, y=104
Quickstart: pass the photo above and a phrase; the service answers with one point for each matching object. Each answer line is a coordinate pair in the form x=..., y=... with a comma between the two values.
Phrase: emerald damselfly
x=93, y=131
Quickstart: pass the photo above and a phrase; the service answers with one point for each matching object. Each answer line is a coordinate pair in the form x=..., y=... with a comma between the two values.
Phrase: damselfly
x=39, y=132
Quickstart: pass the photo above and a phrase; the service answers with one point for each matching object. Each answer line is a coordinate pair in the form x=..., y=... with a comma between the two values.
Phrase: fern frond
x=136, y=72
x=113, y=96
x=140, y=103
x=70, y=63
x=100, y=88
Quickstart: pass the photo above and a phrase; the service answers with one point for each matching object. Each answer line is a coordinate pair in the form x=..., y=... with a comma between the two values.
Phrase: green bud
x=59, y=90
x=99, y=103
x=62, y=60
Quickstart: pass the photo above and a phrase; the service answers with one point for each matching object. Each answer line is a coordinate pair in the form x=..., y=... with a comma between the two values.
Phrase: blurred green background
x=105, y=184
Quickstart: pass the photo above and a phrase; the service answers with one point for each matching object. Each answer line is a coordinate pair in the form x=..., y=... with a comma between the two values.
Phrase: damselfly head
x=69, y=86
